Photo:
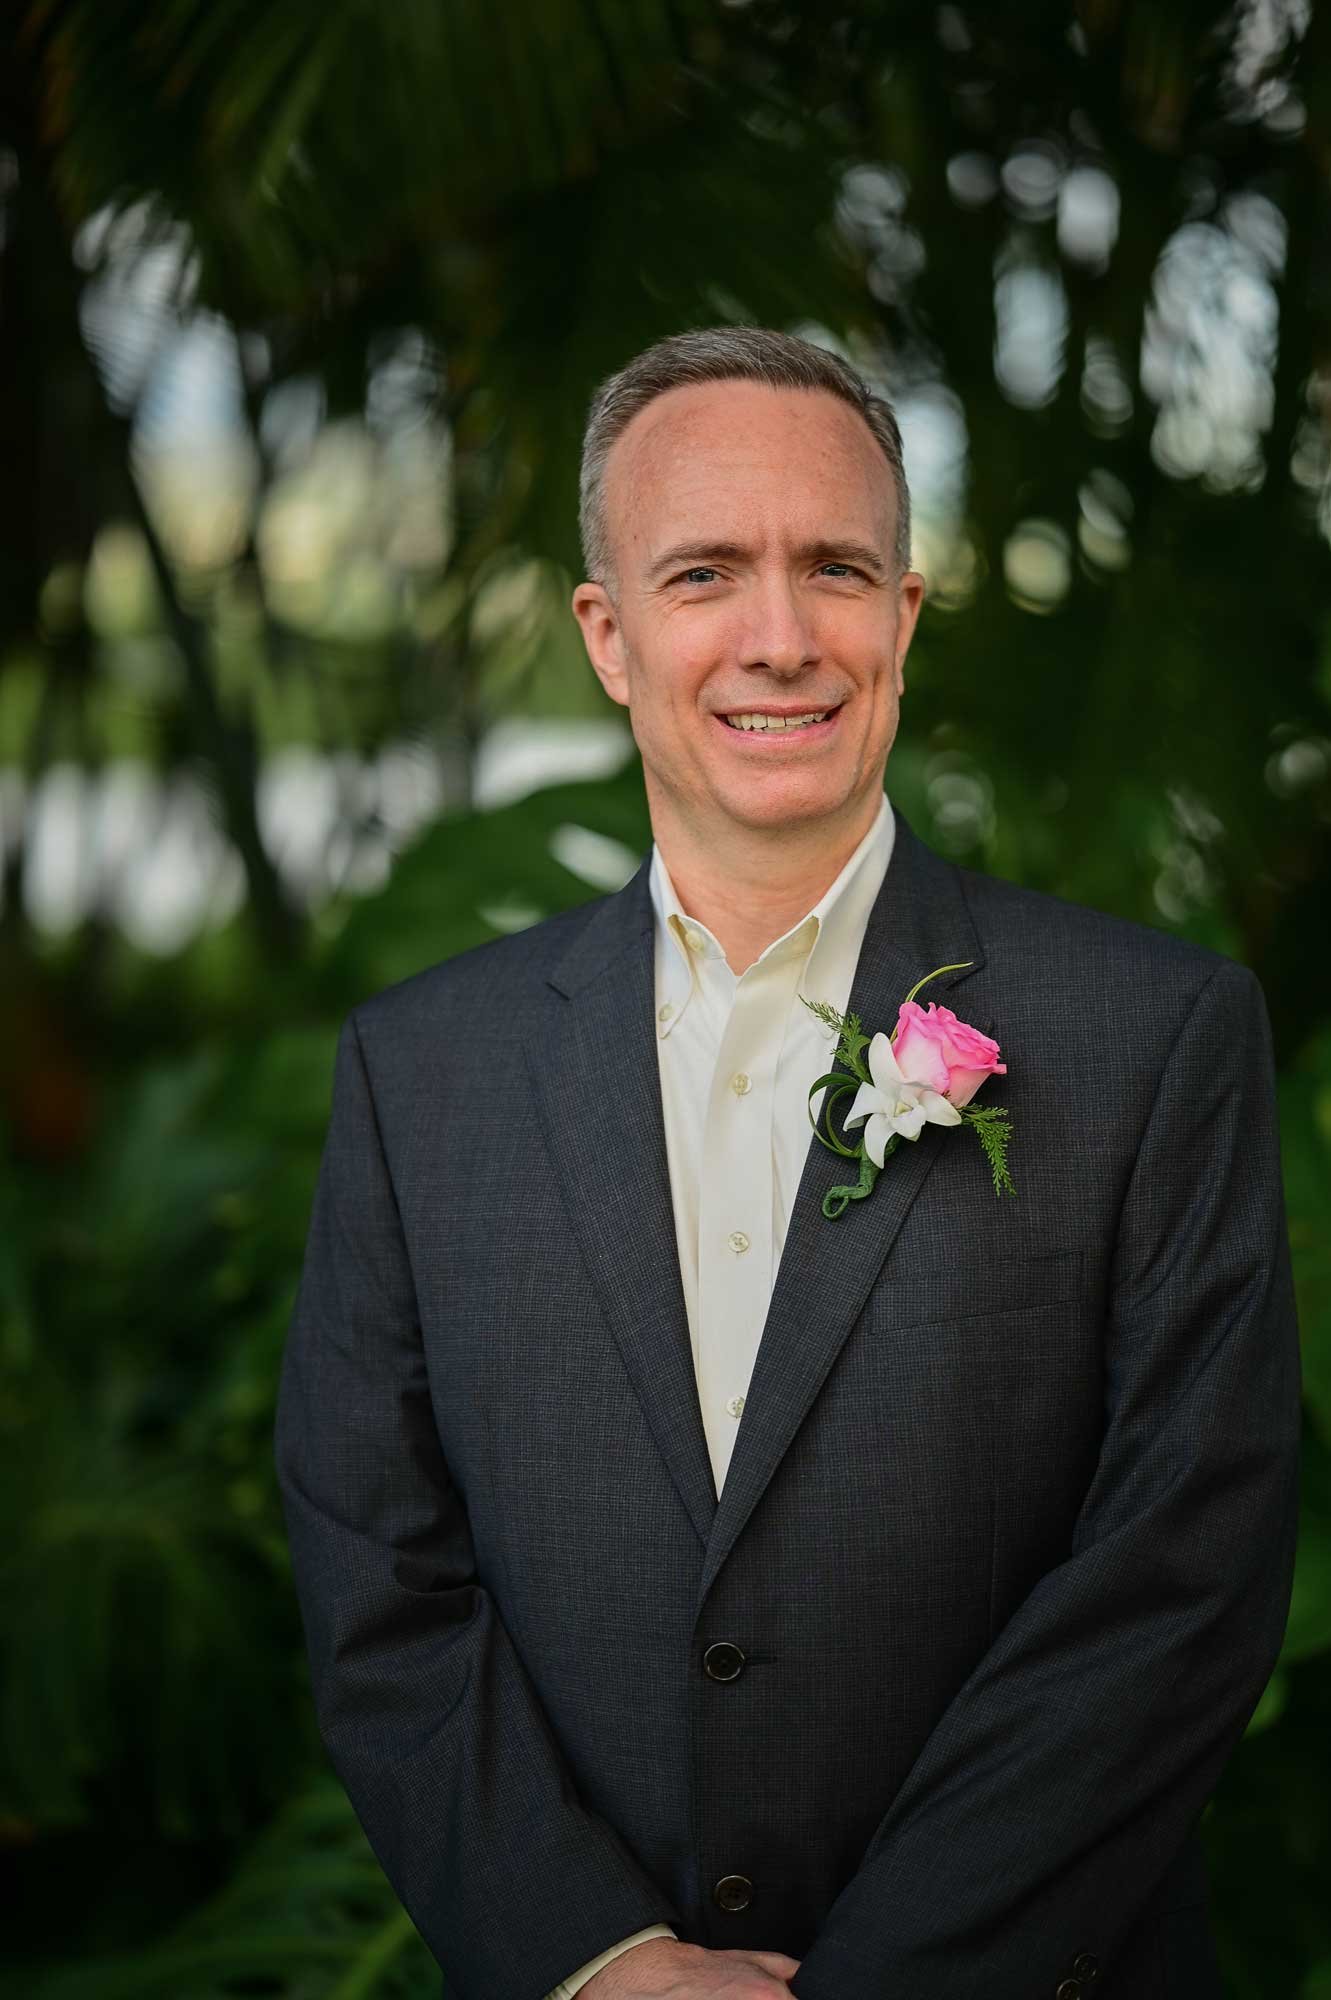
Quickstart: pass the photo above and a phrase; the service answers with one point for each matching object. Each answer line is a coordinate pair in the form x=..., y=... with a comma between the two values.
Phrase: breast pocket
x=969, y=1287
x=1018, y=1339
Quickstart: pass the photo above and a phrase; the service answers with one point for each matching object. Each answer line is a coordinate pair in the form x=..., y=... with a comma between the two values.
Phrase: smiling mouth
x=756, y=727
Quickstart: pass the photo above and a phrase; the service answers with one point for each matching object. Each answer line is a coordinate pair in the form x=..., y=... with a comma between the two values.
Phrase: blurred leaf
x=1271, y=1706
x=308, y=1915
x=432, y=906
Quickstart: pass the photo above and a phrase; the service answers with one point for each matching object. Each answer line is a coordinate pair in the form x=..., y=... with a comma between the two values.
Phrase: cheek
x=866, y=643
x=691, y=653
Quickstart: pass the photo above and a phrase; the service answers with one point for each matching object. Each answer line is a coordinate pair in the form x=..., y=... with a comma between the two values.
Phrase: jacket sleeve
x=1069, y=1770
x=424, y=1705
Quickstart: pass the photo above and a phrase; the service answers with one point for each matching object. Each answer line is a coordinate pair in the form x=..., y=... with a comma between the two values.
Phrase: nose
x=778, y=631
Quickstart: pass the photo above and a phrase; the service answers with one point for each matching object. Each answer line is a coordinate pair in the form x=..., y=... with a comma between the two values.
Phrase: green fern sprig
x=993, y=1129
x=850, y=1040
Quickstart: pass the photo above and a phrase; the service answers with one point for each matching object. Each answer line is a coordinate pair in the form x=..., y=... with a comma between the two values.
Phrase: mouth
x=765, y=730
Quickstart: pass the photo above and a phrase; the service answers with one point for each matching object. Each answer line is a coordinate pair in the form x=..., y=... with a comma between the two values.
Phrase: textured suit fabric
x=1007, y=1537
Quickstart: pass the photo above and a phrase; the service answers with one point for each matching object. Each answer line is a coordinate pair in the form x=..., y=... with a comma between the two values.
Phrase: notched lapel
x=598, y=1090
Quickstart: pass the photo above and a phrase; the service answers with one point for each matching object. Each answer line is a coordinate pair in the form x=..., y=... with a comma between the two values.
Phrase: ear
x=910, y=597
x=603, y=637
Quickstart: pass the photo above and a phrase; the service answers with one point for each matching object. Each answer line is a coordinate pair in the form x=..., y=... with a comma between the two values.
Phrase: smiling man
x=709, y=1593
x=753, y=612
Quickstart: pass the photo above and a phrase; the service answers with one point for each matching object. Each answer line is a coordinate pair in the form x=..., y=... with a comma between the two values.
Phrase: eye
x=849, y=568
x=688, y=575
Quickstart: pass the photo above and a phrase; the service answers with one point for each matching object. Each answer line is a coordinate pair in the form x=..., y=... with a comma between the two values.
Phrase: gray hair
x=721, y=354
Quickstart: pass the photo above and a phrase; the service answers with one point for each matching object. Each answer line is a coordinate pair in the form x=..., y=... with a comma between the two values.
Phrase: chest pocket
x=972, y=1286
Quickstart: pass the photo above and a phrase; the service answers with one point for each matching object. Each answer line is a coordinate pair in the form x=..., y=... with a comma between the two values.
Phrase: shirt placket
x=735, y=1237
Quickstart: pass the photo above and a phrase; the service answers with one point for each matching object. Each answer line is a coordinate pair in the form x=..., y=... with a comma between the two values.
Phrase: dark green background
x=541, y=189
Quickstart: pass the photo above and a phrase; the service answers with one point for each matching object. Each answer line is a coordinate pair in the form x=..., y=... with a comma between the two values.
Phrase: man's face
x=753, y=529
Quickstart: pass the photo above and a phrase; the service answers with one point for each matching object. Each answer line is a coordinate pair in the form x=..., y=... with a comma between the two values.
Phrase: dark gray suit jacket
x=1007, y=1538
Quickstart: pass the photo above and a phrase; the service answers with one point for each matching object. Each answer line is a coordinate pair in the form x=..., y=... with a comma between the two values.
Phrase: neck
x=749, y=885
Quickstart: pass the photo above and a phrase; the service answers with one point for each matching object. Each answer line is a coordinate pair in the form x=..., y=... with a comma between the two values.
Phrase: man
x=705, y=1595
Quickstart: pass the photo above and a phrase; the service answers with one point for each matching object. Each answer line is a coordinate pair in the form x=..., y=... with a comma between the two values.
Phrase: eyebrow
x=683, y=554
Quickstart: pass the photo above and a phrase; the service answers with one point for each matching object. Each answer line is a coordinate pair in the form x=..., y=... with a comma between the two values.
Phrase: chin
x=777, y=805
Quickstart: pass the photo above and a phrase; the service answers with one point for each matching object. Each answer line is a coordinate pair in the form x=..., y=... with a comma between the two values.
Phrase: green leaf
x=830, y=1140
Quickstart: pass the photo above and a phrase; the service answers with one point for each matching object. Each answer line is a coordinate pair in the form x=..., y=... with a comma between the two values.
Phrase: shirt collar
x=835, y=925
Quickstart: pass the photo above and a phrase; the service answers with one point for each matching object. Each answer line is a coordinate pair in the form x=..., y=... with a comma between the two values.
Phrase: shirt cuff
x=576, y=1980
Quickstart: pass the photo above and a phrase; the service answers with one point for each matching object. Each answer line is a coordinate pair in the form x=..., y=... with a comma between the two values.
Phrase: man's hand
x=669, y=1969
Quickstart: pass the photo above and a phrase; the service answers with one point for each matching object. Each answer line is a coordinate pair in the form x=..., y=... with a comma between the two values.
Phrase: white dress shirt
x=736, y=1058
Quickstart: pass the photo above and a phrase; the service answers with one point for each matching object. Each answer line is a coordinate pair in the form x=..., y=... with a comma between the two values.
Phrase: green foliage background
x=542, y=189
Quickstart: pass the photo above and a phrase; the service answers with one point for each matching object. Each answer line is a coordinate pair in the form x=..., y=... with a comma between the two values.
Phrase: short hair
x=721, y=354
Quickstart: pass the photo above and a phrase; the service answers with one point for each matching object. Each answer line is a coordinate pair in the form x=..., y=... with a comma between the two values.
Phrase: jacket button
x=732, y=1892
x=1086, y=1965
x=723, y=1662
x=1069, y=1990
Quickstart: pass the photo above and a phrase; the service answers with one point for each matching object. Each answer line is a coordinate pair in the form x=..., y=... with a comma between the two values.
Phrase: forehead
x=714, y=449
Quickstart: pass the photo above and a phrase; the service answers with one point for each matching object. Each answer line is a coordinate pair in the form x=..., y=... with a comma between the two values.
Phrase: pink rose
x=935, y=1048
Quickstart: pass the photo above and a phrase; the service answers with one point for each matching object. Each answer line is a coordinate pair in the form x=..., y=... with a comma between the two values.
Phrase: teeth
x=775, y=721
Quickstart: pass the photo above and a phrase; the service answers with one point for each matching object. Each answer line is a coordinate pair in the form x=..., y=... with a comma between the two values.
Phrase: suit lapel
x=597, y=1085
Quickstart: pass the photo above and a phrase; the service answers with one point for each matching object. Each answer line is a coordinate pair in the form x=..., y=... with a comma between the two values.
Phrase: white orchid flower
x=892, y=1103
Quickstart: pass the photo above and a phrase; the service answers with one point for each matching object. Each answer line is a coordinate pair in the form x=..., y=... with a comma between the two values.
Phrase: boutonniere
x=926, y=1072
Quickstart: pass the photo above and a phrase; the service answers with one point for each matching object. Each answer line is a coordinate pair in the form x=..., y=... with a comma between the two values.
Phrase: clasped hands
x=669, y=1969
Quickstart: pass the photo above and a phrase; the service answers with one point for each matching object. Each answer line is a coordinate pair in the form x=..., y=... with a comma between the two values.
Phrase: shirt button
x=738, y=1241
x=663, y=1013
x=736, y=1406
x=741, y=1084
